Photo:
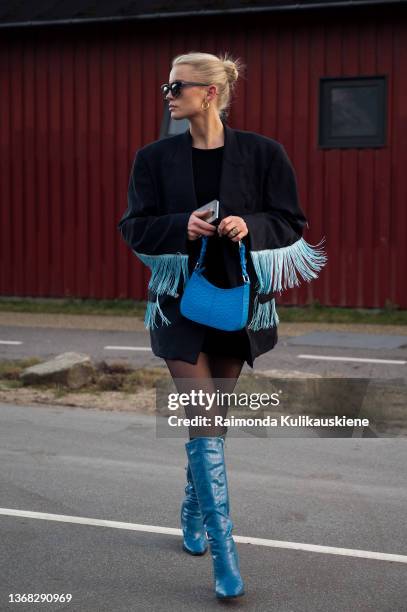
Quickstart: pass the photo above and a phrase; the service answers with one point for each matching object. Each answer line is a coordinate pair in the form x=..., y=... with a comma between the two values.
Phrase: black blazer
x=258, y=183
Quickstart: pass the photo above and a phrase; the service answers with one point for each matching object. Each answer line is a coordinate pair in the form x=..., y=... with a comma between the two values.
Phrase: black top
x=207, y=168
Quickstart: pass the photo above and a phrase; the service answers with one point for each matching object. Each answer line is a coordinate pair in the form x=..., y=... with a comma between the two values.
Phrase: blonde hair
x=222, y=71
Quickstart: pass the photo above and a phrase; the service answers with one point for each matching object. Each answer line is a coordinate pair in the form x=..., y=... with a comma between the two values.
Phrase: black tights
x=226, y=371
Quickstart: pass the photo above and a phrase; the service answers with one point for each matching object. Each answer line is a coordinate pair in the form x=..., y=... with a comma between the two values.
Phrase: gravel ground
x=142, y=402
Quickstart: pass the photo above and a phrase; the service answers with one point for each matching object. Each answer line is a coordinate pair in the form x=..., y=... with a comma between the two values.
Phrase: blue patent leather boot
x=207, y=461
x=195, y=542
x=194, y=536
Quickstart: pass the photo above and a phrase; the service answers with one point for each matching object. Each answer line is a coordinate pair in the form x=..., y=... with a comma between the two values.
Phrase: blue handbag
x=202, y=302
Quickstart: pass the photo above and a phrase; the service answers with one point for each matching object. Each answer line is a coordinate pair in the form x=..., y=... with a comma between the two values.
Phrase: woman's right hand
x=197, y=227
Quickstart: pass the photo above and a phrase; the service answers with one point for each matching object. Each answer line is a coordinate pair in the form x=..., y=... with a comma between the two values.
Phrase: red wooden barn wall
x=77, y=102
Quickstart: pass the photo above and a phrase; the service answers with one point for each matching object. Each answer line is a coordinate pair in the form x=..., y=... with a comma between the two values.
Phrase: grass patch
x=315, y=313
x=77, y=306
x=10, y=369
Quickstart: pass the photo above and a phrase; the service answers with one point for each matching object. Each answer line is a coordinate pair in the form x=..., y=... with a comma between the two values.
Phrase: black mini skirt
x=226, y=343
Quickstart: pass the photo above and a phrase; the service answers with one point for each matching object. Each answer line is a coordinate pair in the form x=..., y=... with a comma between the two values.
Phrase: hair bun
x=231, y=70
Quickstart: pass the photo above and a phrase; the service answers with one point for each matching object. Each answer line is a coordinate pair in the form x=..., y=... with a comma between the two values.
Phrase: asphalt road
x=134, y=347
x=346, y=493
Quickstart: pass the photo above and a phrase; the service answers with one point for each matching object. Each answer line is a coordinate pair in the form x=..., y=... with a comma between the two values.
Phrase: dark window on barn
x=352, y=112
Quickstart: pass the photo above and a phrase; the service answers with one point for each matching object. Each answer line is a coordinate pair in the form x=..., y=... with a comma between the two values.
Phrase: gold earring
x=206, y=105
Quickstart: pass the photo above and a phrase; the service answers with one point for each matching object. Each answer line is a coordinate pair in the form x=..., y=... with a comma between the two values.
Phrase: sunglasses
x=176, y=87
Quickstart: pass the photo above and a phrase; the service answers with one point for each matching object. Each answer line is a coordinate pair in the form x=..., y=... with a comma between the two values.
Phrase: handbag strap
x=242, y=251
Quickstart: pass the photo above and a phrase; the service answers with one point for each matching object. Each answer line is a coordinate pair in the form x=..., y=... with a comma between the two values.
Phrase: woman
x=255, y=183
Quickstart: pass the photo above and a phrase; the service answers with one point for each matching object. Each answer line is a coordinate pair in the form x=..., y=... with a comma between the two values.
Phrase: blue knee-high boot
x=194, y=536
x=207, y=461
x=195, y=542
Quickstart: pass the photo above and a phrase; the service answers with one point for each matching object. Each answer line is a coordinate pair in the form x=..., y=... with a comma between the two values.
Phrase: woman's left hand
x=234, y=228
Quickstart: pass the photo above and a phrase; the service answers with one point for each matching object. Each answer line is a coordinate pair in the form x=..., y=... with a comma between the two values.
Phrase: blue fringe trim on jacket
x=264, y=315
x=166, y=272
x=277, y=269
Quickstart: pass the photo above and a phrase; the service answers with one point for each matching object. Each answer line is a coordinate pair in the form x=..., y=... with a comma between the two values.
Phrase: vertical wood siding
x=76, y=103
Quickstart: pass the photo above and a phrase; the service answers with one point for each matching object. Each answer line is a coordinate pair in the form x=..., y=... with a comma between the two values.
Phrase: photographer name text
x=268, y=421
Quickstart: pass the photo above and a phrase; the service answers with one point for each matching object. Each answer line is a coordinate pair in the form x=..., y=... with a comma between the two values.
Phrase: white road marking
x=362, y=359
x=330, y=550
x=10, y=342
x=128, y=348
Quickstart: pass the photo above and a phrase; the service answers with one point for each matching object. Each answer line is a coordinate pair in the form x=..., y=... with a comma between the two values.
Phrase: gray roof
x=29, y=13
